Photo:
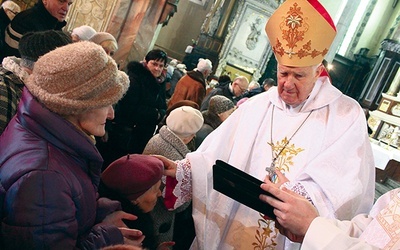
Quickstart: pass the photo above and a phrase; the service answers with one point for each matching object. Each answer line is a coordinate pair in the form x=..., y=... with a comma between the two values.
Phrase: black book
x=241, y=187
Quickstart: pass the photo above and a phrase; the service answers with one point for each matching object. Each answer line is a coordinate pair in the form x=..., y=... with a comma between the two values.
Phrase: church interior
x=363, y=61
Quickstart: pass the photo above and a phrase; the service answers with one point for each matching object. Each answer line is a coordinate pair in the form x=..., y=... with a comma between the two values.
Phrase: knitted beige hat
x=76, y=78
x=185, y=121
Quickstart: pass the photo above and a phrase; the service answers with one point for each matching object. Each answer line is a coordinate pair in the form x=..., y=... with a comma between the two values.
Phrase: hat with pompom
x=76, y=78
x=132, y=175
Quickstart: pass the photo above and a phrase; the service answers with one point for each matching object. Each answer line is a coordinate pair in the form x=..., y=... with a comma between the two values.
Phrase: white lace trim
x=299, y=189
x=183, y=190
x=163, y=182
x=12, y=64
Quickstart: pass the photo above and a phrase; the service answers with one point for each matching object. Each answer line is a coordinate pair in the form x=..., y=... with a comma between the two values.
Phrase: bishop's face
x=296, y=83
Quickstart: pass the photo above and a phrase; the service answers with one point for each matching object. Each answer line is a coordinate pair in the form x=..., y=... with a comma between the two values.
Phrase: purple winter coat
x=49, y=174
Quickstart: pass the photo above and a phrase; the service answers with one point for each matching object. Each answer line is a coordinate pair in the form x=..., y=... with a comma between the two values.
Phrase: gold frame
x=233, y=71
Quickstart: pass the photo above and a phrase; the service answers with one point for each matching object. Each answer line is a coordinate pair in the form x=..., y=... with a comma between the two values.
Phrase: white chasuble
x=329, y=157
x=384, y=229
x=378, y=230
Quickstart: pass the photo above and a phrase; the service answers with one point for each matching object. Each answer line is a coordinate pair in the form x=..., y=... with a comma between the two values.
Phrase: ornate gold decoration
x=95, y=13
x=296, y=28
x=285, y=159
x=300, y=33
x=265, y=234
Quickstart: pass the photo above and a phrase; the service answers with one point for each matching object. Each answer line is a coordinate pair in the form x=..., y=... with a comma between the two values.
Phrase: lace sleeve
x=298, y=189
x=183, y=189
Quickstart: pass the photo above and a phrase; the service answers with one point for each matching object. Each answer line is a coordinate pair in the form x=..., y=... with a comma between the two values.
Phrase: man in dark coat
x=8, y=10
x=44, y=15
x=232, y=91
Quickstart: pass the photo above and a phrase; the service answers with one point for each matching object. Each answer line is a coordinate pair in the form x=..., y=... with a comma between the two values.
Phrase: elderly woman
x=135, y=181
x=82, y=33
x=181, y=126
x=107, y=41
x=49, y=166
x=182, y=123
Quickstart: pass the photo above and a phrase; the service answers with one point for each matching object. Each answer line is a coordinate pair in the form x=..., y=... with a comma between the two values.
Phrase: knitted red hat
x=133, y=175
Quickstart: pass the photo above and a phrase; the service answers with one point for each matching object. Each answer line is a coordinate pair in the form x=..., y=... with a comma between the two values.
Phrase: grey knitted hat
x=76, y=78
x=219, y=104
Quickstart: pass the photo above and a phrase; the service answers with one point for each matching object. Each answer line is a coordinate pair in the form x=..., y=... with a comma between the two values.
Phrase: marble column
x=146, y=29
x=342, y=27
x=395, y=85
x=129, y=28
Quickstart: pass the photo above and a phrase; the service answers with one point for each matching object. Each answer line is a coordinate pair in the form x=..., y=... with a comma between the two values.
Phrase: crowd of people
x=94, y=157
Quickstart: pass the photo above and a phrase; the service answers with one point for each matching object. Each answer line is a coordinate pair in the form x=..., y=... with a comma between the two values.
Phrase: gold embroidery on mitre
x=285, y=159
x=293, y=28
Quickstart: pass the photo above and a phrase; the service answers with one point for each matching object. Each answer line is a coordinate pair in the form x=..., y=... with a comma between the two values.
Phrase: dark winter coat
x=49, y=174
x=211, y=122
x=139, y=111
x=143, y=222
x=222, y=90
x=4, y=22
x=34, y=19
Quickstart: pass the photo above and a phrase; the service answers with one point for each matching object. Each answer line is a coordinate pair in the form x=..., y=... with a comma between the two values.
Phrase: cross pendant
x=271, y=171
x=271, y=168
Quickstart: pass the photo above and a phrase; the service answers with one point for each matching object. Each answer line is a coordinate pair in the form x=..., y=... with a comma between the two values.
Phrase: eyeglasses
x=242, y=90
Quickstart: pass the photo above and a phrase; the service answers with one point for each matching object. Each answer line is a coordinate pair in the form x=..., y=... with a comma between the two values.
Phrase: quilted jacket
x=49, y=174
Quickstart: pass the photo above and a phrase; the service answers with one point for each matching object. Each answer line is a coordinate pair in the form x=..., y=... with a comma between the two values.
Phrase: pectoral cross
x=271, y=171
